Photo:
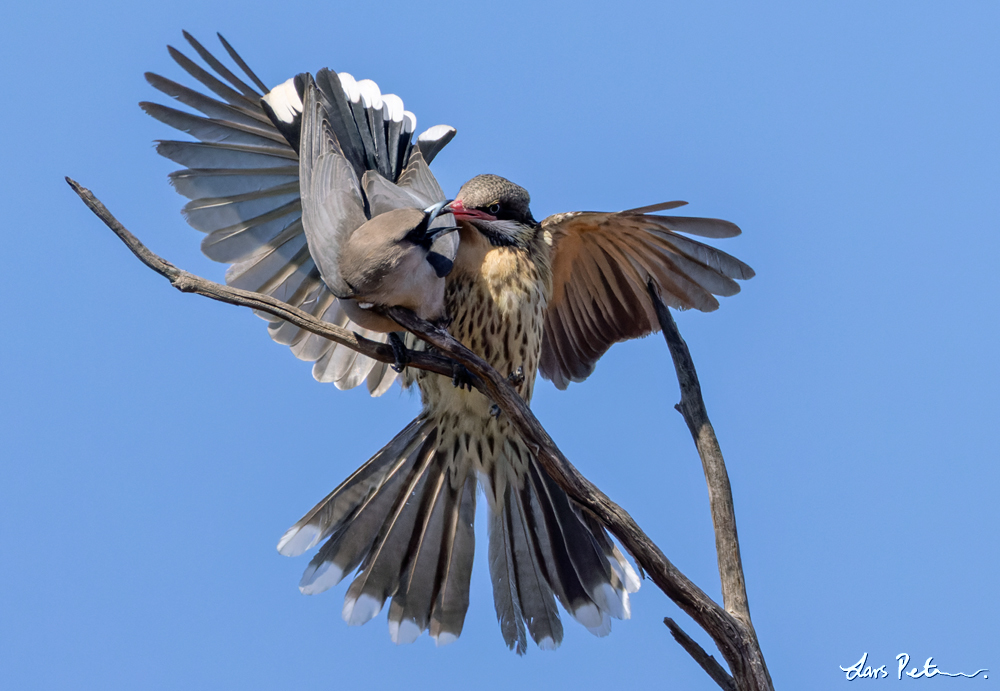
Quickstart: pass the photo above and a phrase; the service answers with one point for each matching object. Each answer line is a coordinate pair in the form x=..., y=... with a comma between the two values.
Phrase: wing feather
x=210, y=214
x=667, y=275
x=213, y=129
x=704, y=227
x=221, y=155
x=602, y=264
x=243, y=66
x=662, y=206
x=270, y=271
x=199, y=183
x=221, y=69
x=233, y=243
x=418, y=179
x=245, y=181
x=223, y=91
x=200, y=102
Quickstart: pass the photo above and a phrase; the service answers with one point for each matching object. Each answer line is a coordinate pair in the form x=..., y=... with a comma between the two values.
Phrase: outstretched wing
x=242, y=177
x=601, y=266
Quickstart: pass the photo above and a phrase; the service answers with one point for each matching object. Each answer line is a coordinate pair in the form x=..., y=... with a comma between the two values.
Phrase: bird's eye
x=494, y=208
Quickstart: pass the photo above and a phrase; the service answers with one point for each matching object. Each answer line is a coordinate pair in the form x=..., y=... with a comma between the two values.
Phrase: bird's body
x=496, y=297
x=389, y=261
x=312, y=198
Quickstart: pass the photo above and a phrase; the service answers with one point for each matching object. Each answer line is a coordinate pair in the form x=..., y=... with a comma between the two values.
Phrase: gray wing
x=242, y=177
x=333, y=206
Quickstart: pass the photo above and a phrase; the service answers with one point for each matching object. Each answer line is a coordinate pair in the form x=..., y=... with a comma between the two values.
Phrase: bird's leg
x=461, y=378
x=516, y=378
x=399, y=352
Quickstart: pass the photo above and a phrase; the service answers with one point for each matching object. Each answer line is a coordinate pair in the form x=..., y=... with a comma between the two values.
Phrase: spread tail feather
x=544, y=547
x=406, y=518
x=405, y=521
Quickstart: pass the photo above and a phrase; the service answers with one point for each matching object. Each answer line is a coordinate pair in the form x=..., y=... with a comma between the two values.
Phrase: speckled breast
x=497, y=312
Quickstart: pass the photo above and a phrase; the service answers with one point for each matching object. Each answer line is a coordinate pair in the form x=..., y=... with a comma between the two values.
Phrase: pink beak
x=462, y=214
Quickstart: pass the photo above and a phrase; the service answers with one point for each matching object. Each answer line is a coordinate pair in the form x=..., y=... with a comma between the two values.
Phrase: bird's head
x=497, y=208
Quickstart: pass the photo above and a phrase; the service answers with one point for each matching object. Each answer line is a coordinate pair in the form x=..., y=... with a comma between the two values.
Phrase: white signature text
x=862, y=670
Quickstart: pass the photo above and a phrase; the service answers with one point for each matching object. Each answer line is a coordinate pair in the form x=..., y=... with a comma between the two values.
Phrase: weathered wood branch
x=726, y=631
x=189, y=283
x=708, y=663
x=720, y=494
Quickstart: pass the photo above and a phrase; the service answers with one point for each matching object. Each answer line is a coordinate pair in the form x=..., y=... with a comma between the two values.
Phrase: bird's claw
x=516, y=378
x=495, y=411
x=399, y=352
x=461, y=377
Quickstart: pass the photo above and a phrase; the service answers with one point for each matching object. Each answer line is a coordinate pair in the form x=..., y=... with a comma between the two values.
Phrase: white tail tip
x=547, y=644
x=588, y=615
x=297, y=540
x=316, y=579
x=602, y=629
x=615, y=601
x=363, y=609
x=444, y=638
x=404, y=632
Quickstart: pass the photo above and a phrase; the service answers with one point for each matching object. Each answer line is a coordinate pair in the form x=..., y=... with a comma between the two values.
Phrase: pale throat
x=513, y=280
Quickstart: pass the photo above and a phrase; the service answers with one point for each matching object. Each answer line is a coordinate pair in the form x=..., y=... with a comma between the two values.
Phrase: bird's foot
x=461, y=377
x=495, y=411
x=516, y=378
x=399, y=352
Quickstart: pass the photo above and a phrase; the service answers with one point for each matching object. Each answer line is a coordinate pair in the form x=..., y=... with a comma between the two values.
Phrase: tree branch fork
x=729, y=625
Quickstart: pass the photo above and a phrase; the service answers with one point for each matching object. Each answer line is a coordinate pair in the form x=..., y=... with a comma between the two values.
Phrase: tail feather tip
x=617, y=601
x=359, y=610
x=626, y=574
x=602, y=629
x=589, y=615
x=298, y=539
x=404, y=632
x=547, y=643
x=445, y=638
x=317, y=579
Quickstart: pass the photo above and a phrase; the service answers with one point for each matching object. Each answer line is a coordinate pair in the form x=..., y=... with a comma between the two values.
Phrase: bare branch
x=728, y=633
x=720, y=494
x=708, y=663
x=189, y=283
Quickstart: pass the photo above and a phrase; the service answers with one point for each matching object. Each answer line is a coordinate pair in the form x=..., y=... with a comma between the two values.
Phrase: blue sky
x=156, y=445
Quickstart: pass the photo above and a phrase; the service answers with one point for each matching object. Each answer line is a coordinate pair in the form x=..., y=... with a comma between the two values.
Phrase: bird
x=399, y=257
x=548, y=297
x=389, y=261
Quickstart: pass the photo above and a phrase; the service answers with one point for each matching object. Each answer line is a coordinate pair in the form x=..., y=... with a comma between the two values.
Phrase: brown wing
x=601, y=265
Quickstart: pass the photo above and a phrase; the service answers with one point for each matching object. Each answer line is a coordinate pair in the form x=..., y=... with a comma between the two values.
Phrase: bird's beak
x=457, y=208
x=435, y=210
x=435, y=233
